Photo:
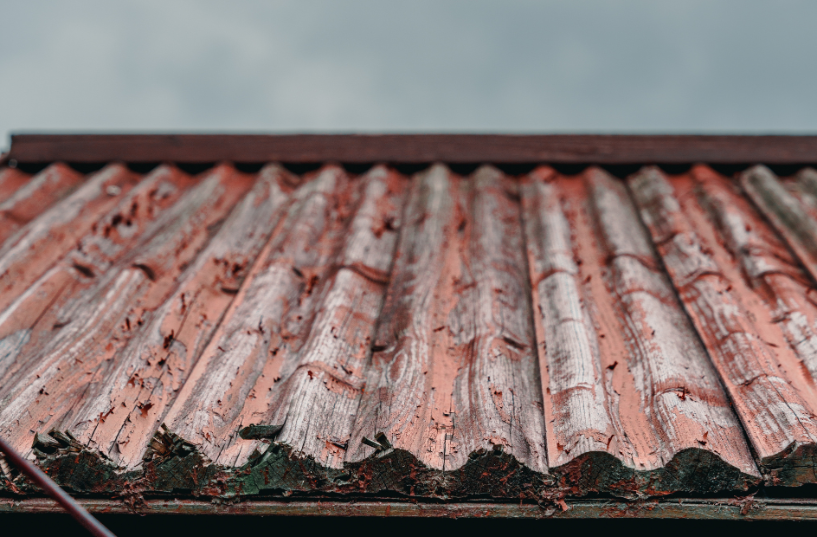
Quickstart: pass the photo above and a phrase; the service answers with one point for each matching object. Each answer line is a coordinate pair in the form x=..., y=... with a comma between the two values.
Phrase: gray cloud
x=520, y=66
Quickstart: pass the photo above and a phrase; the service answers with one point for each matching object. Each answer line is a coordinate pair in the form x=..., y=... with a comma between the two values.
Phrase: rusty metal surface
x=541, y=337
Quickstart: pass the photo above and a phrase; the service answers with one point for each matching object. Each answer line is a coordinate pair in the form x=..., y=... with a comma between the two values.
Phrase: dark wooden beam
x=746, y=508
x=416, y=148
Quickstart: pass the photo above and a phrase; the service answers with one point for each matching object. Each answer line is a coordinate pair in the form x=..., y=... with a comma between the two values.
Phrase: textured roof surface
x=537, y=336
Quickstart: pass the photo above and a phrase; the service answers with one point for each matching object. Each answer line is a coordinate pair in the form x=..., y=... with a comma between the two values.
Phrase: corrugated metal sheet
x=533, y=337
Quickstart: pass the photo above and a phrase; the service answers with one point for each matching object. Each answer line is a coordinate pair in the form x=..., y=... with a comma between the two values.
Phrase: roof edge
x=416, y=148
x=747, y=508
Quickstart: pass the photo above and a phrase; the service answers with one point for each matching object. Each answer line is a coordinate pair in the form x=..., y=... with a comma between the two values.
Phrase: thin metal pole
x=52, y=489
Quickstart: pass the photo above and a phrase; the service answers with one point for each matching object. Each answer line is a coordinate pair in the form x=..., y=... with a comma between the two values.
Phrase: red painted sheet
x=539, y=336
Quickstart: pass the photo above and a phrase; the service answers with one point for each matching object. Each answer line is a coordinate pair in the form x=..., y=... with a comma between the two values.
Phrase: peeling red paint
x=434, y=336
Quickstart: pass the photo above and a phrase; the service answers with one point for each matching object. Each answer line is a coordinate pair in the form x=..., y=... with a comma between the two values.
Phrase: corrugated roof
x=435, y=335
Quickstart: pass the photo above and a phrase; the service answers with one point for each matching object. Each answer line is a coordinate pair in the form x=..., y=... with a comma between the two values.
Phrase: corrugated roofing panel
x=628, y=376
x=436, y=335
x=747, y=296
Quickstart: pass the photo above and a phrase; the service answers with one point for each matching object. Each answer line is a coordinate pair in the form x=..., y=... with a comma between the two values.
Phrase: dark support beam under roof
x=415, y=148
x=731, y=508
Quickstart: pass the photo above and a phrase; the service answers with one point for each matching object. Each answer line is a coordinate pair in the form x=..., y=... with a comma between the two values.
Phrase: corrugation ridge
x=696, y=413
x=397, y=385
x=318, y=397
x=806, y=186
x=46, y=238
x=614, y=393
x=451, y=395
x=578, y=420
x=501, y=392
x=79, y=356
x=30, y=321
x=11, y=180
x=275, y=306
x=32, y=198
x=730, y=318
x=155, y=363
x=775, y=276
x=785, y=213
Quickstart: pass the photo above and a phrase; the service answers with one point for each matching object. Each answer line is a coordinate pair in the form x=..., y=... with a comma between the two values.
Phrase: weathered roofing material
x=628, y=377
x=747, y=296
x=434, y=335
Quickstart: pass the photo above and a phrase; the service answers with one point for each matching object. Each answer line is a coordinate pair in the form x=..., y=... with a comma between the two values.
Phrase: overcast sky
x=737, y=66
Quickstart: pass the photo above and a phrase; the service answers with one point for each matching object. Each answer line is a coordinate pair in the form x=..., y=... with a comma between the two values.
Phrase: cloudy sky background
x=714, y=66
